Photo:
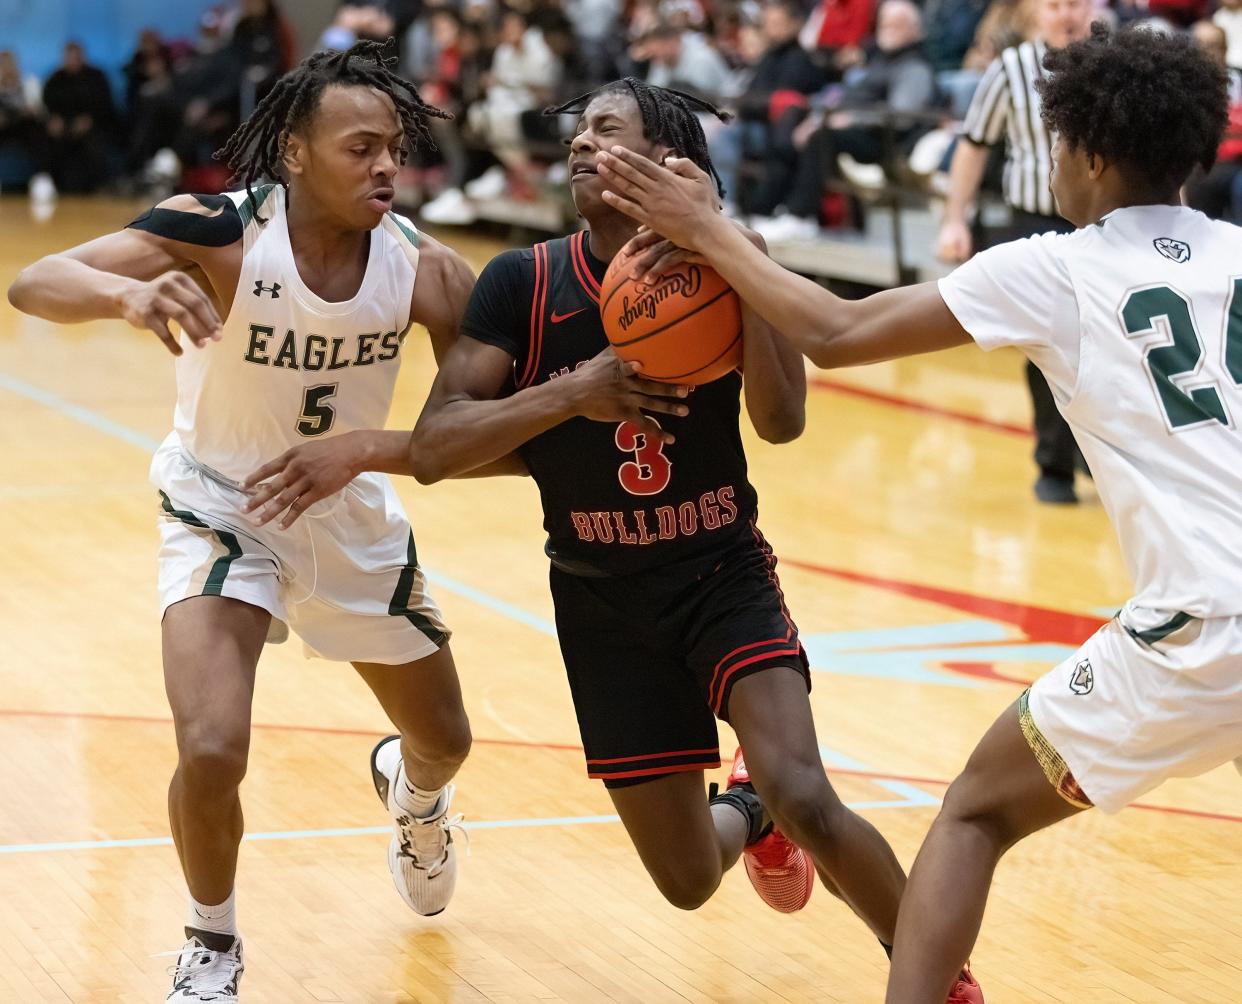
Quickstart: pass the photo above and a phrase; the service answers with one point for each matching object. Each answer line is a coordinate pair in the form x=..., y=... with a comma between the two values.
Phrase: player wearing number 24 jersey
x=1136, y=321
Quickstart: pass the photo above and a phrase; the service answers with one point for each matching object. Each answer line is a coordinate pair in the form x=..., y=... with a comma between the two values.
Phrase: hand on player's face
x=299, y=478
x=677, y=199
x=173, y=296
x=610, y=389
x=653, y=255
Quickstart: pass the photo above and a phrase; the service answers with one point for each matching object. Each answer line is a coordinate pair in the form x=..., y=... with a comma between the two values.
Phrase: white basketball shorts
x=1150, y=696
x=344, y=577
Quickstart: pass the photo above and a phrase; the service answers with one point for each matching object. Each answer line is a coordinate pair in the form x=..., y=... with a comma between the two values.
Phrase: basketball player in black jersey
x=667, y=604
x=668, y=608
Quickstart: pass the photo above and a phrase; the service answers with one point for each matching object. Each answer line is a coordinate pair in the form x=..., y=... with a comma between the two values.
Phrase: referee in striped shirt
x=1006, y=106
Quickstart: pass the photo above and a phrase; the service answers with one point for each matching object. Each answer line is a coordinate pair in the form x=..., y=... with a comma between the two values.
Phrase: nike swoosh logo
x=557, y=318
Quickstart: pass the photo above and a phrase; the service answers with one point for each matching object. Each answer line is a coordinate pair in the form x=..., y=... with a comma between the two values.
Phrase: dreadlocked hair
x=668, y=118
x=255, y=149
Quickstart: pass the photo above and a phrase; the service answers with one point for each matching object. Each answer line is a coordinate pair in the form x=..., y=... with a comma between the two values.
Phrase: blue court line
x=93, y=419
x=502, y=607
x=952, y=633
x=100, y=423
x=910, y=795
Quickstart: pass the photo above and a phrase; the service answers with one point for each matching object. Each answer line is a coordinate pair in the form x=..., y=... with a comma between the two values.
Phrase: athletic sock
x=742, y=797
x=418, y=802
x=218, y=919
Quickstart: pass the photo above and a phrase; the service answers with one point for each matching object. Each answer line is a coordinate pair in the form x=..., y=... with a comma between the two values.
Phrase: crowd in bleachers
x=815, y=88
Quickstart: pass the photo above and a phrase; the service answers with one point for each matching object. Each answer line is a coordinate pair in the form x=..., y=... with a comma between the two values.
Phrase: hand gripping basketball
x=609, y=389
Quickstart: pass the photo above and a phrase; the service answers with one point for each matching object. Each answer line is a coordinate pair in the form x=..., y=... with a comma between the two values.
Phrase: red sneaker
x=966, y=990
x=781, y=872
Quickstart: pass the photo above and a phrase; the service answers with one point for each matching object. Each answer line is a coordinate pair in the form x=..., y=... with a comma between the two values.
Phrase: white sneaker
x=42, y=189
x=422, y=856
x=203, y=975
x=491, y=184
x=450, y=207
x=787, y=228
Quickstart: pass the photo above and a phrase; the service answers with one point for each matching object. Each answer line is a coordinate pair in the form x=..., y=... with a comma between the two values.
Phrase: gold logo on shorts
x=1083, y=680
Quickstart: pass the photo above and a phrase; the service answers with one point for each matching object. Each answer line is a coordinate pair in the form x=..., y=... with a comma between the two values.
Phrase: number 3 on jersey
x=650, y=470
x=1190, y=397
x=317, y=416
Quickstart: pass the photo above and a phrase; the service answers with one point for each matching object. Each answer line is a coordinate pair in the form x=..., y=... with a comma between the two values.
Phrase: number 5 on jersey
x=317, y=415
x=650, y=470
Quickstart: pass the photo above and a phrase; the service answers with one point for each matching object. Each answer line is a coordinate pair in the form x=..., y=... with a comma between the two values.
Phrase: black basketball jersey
x=613, y=501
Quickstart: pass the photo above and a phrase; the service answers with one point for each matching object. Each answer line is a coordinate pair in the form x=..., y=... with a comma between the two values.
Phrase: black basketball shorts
x=652, y=657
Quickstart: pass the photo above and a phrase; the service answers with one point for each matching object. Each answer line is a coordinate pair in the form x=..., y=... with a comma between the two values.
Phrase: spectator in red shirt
x=837, y=28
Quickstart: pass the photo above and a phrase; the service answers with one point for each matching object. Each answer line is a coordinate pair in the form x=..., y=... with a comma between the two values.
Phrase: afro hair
x=1150, y=102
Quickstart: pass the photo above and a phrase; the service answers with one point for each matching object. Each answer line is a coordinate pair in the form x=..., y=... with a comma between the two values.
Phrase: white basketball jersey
x=1137, y=323
x=291, y=366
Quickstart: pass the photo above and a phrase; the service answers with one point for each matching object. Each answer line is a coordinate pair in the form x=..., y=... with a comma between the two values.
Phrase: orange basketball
x=684, y=328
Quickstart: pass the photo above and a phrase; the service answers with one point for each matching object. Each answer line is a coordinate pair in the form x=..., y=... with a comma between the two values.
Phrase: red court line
x=873, y=775
x=919, y=407
x=1037, y=623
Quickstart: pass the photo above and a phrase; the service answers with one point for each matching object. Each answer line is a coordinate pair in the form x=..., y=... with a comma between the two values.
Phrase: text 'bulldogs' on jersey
x=614, y=501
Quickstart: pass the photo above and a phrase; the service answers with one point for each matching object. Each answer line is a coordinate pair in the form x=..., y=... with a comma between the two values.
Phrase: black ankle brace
x=743, y=798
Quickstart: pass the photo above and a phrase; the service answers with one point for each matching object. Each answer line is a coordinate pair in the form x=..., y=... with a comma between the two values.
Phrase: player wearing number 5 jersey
x=668, y=608
x=1136, y=320
x=294, y=300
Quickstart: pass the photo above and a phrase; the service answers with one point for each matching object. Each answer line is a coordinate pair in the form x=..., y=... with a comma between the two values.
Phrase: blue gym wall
x=108, y=29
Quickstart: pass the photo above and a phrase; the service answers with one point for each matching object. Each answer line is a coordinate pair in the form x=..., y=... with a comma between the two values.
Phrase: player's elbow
x=426, y=470
x=425, y=463
x=21, y=291
x=782, y=425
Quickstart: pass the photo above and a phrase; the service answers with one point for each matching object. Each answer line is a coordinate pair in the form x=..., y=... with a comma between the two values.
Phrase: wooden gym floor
x=928, y=586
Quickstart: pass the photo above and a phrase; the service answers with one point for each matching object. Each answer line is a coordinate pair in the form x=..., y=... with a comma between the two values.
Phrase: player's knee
x=457, y=740
x=448, y=745
x=967, y=803
x=212, y=762
x=688, y=884
x=804, y=806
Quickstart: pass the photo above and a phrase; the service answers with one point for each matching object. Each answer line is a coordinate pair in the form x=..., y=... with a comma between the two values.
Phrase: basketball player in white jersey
x=1136, y=321
x=293, y=300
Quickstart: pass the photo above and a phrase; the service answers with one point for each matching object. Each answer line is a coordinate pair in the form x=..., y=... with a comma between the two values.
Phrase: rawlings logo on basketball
x=685, y=284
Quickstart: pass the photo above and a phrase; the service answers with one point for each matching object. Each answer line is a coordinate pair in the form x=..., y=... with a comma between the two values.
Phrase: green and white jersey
x=291, y=366
x=1137, y=323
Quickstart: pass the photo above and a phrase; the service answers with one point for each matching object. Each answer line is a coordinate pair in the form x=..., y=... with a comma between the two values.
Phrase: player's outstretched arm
x=134, y=275
x=679, y=202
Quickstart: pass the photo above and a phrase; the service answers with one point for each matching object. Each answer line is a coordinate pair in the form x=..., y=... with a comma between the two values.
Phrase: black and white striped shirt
x=1006, y=103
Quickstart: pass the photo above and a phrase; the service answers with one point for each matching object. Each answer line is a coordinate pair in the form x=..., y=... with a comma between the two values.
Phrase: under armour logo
x=260, y=289
x=1083, y=680
x=1177, y=251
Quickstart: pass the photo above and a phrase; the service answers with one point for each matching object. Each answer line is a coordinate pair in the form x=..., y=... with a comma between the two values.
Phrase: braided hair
x=668, y=118
x=255, y=149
